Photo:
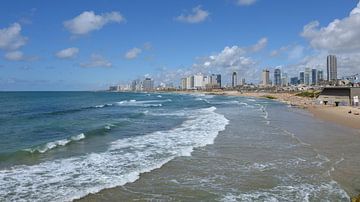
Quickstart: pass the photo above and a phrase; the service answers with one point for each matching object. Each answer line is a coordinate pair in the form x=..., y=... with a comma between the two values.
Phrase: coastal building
x=277, y=77
x=340, y=96
x=302, y=77
x=137, y=85
x=183, y=83
x=234, y=80
x=331, y=64
x=265, y=77
x=148, y=84
x=198, y=82
x=314, y=80
x=190, y=83
x=243, y=82
x=320, y=76
x=215, y=81
x=284, y=79
x=294, y=81
x=307, y=76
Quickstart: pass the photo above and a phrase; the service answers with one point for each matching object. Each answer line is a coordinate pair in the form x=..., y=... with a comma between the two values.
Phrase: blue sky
x=88, y=45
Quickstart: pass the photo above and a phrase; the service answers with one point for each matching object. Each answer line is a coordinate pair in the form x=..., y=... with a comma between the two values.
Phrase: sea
x=105, y=146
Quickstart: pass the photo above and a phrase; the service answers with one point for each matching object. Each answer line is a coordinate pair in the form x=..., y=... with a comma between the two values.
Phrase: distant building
x=277, y=77
x=190, y=83
x=215, y=81
x=234, y=82
x=307, y=76
x=183, y=83
x=314, y=80
x=242, y=83
x=137, y=85
x=284, y=79
x=294, y=81
x=265, y=77
x=331, y=64
x=302, y=77
x=148, y=84
x=198, y=82
x=320, y=76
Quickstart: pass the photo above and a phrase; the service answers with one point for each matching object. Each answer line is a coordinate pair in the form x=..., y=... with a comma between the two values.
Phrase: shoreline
x=338, y=115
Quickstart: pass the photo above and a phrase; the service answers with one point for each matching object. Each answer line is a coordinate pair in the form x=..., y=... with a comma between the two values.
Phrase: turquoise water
x=69, y=144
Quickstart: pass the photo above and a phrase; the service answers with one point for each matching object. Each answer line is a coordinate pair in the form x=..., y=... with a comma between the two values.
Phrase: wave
x=144, y=103
x=54, y=144
x=71, y=178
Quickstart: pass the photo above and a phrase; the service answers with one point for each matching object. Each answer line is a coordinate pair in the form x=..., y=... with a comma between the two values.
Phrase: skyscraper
x=183, y=83
x=314, y=80
x=331, y=64
x=277, y=77
x=294, y=81
x=302, y=77
x=320, y=75
x=199, y=82
x=265, y=77
x=234, y=79
x=148, y=84
x=307, y=76
x=284, y=79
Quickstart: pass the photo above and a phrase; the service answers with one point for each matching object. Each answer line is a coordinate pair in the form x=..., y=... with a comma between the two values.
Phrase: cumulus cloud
x=67, y=53
x=339, y=36
x=11, y=38
x=132, y=53
x=245, y=2
x=196, y=16
x=88, y=21
x=96, y=61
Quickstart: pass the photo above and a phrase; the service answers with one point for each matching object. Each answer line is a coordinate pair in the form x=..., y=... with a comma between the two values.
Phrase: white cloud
x=67, y=53
x=132, y=53
x=11, y=38
x=19, y=56
x=14, y=56
x=88, y=21
x=96, y=61
x=339, y=36
x=261, y=44
x=196, y=16
x=245, y=2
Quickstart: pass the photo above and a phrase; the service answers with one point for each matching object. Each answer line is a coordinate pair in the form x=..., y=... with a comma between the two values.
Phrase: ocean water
x=60, y=146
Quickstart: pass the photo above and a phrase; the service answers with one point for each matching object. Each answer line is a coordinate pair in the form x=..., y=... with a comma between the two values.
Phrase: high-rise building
x=190, y=82
x=234, y=80
x=148, y=84
x=320, y=75
x=307, y=76
x=284, y=79
x=302, y=77
x=137, y=85
x=265, y=77
x=198, y=81
x=277, y=77
x=183, y=83
x=242, y=82
x=314, y=80
x=294, y=81
x=331, y=68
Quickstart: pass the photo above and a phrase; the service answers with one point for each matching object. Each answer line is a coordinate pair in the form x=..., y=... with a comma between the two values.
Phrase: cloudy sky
x=88, y=45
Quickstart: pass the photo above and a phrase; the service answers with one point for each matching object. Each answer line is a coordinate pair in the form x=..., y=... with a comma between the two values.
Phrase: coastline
x=338, y=115
x=231, y=148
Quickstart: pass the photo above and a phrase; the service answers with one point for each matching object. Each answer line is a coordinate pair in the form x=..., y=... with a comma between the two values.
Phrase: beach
x=268, y=151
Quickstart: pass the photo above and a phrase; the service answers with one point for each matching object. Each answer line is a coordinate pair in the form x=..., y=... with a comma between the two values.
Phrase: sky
x=89, y=45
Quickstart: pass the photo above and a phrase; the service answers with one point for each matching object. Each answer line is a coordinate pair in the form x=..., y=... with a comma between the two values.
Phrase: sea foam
x=70, y=178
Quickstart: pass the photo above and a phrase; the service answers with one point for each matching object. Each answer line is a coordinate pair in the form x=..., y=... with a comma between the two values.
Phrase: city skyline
x=70, y=46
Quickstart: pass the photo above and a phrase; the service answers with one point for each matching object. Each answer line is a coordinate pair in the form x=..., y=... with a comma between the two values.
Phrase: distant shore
x=347, y=116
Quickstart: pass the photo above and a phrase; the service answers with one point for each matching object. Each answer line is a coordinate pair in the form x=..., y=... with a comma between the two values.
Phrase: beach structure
x=340, y=96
